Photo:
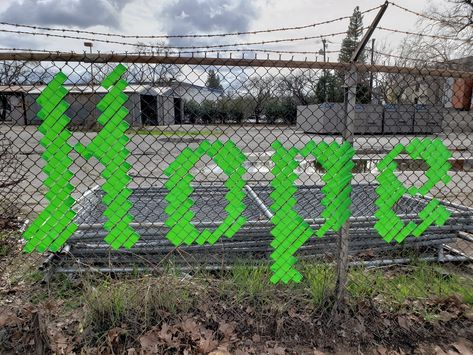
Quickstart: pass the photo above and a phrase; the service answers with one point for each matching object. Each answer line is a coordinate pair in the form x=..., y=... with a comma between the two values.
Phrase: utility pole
x=324, y=49
x=90, y=45
x=90, y=123
x=324, y=43
x=371, y=74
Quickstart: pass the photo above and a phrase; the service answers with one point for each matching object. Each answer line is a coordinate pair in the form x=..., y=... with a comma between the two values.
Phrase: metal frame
x=87, y=247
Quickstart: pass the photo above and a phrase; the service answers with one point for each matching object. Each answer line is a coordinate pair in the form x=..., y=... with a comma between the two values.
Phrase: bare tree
x=300, y=85
x=137, y=72
x=19, y=73
x=12, y=72
x=454, y=19
x=11, y=175
x=392, y=88
x=259, y=91
x=296, y=86
x=153, y=73
x=453, y=23
x=22, y=73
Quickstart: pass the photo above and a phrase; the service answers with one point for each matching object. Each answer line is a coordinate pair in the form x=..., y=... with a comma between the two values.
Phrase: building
x=191, y=92
x=148, y=104
x=460, y=90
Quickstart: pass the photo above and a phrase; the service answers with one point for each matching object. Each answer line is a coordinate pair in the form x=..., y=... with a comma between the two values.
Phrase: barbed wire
x=176, y=47
x=8, y=49
x=423, y=34
x=419, y=14
x=281, y=29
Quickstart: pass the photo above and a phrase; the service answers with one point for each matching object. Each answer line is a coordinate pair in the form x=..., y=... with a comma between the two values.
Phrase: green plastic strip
x=290, y=231
x=109, y=148
x=54, y=225
x=391, y=190
x=230, y=159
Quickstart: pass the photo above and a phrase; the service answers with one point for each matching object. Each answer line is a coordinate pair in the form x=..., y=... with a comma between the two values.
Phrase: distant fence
x=133, y=162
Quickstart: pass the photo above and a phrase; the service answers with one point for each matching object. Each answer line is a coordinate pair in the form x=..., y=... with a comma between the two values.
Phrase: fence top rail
x=241, y=62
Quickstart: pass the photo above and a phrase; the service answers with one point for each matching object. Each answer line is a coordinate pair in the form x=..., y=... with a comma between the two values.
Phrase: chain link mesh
x=123, y=163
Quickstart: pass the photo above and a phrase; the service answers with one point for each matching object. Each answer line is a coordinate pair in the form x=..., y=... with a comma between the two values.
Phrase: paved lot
x=151, y=154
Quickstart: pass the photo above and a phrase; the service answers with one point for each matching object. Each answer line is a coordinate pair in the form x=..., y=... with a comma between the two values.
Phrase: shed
x=148, y=105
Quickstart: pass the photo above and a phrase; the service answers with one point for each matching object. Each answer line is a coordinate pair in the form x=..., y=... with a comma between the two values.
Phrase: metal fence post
x=351, y=79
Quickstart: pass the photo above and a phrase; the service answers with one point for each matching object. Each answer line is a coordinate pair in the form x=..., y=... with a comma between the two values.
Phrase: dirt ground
x=58, y=317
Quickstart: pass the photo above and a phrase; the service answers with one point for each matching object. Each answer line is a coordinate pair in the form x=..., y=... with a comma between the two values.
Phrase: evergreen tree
x=349, y=45
x=213, y=80
x=354, y=35
x=329, y=89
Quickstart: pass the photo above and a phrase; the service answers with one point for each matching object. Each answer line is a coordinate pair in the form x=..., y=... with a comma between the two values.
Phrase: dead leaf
x=468, y=315
x=8, y=318
x=462, y=348
x=113, y=335
x=439, y=351
x=191, y=327
x=165, y=334
x=256, y=338
x=227, y=329
x=278, y=351
x=445, y=316
x=206, y=345
x=292, y=313
x=60, y=344
x=220, y=351
x=382, y=350
x=149, y=343
x=403, y=322
x=318, y=352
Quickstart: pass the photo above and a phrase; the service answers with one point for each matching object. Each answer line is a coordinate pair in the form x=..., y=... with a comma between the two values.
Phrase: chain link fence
x=129, y=163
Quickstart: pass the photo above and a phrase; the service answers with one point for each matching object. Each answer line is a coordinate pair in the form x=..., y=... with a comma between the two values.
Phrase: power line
x=64, y=30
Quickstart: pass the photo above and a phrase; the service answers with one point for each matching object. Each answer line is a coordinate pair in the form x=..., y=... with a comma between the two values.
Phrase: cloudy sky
x=151, y=17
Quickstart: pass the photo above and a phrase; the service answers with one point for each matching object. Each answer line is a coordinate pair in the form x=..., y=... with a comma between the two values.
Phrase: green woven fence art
x=109, y=148
x=55, y=224
x=389, y=225
x=230, y=159
x=290, y=230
